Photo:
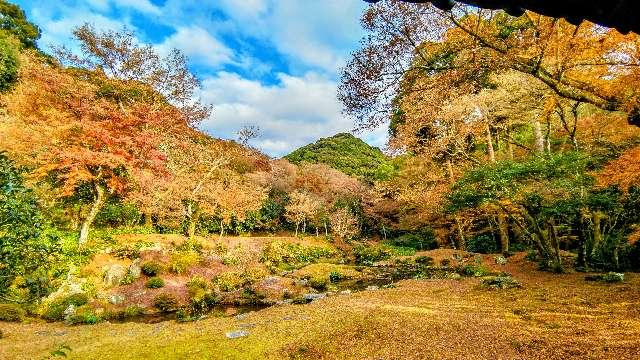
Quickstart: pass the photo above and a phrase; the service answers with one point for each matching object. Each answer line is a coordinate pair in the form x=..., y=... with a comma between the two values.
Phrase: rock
x=114, y=275
x=372, y=288
x=312, y=297
x=454, y=276
x=242, y=316
x=69, y=312
x=500, y=260
x=134, y=268
x=237, y=334
x=270, y=281
x=345, y=292
x=247, y=326
x=302, y=282
x=116, y=299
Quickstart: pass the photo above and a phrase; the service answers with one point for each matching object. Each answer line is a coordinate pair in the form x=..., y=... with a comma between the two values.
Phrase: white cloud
x=143, y=6
x=296, y=111
x=199, y=45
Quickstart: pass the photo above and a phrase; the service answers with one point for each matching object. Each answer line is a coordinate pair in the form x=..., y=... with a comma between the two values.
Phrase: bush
x=151, y=268
x=501, y=282
x=234, y=280
x=293, y=256
x=202, y=298
x=84, y=315
x=155, y=283
x=133, y=311
x=11, y=313
x=336, y=276
x=55, y=310
x=610, y=277
x=484, y=244
x=165, y=303
x=367, y=255
x=181, y=261
x=474, y=270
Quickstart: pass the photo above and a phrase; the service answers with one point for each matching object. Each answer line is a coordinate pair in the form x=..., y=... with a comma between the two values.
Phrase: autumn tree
x=61, y=126
x=459, y=48
x=118, y=55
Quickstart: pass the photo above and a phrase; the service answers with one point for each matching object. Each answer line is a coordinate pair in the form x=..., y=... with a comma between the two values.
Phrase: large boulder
x=114, y=274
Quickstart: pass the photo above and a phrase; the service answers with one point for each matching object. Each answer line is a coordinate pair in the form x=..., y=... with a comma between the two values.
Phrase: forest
x=511, y=181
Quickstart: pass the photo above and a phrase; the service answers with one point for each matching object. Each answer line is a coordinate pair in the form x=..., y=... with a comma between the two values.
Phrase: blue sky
x=270, y=63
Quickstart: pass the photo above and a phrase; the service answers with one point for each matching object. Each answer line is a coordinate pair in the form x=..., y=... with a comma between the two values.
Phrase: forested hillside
x=346, y=153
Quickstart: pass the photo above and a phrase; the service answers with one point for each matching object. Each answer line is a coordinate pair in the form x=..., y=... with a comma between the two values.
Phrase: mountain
x=348, y=154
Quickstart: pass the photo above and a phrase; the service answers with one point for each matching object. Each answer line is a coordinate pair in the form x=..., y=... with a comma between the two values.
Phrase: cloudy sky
x=270, y=63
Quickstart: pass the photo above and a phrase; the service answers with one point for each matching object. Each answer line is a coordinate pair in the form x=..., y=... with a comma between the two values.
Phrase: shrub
x=165, y=303
x=336, y=276
x=234, y=280
x=474, y=270
x=367, y=255
x=133, y=311
x=190, y=245
x=318, y=283
x=501, y=282
x=610, y=277
x=292, y=256
x=181, y=261
x=84, y=315
x=400, y=250
x=151, y=268
x=11, y=313
x=55, y=309
x=155, y=283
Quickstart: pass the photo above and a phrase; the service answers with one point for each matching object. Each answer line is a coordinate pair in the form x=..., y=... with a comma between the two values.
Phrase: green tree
x=25, y=251
x=14, y=21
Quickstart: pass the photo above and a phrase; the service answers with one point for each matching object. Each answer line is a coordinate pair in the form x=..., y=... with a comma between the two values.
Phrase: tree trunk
x=537, y=133
x=221, y=228
x=503, y=226
x=326, y=230
x=297, y=224
x=554, y=242
x=461, y=237
x=384, y=232
x=148, y=220
x=597, y=231
x=193, y=222
x=98, y=201
x=490, y=150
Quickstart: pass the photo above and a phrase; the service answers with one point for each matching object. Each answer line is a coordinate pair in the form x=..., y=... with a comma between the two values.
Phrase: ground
x=550, y=317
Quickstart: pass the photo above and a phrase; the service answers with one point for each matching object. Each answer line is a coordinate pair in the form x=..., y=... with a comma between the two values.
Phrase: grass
x=566, y=318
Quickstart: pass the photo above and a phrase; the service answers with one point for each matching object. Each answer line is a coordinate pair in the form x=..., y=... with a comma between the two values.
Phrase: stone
x=345, y=292
x=116, y=299
x=500, y=260
x=237, y=334
x=313, y=297
x=270, y=281
x=134, y=268
x=69, y=311
x=242, y=316
x=372, y=288
x=114, y=274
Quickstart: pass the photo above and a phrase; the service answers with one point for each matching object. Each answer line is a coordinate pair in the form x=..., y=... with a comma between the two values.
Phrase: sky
x=274, y=64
